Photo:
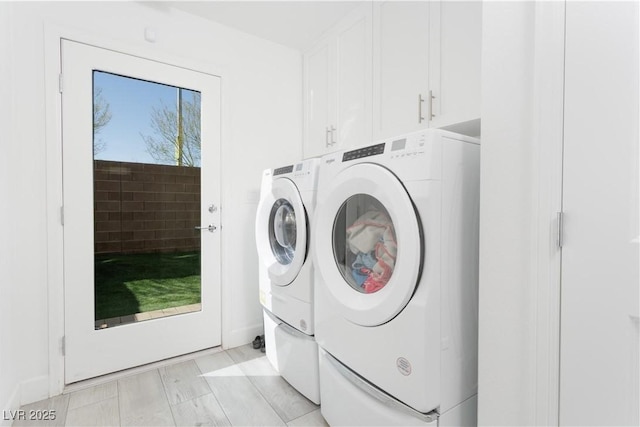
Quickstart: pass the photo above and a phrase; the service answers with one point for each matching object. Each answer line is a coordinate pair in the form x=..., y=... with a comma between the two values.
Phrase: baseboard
x=34, y=389
x=26, y=392
x=243, y=336
x=11, y=406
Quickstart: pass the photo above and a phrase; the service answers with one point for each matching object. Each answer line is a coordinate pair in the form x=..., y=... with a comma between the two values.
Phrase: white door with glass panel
x=141, y=167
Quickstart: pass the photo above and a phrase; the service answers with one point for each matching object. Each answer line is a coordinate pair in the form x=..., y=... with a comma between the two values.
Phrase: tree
x=176, y=138
x=101, y=117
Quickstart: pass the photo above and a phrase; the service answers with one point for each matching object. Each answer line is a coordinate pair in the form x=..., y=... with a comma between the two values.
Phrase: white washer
x=396, y=252
x=287, y=201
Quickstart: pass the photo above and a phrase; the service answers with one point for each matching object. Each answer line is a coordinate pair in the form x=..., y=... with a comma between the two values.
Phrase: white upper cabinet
x=316, y=102
x=426, y=65
x=392, y=67
x=401, y=67
x=337, y=86
x=455, y=61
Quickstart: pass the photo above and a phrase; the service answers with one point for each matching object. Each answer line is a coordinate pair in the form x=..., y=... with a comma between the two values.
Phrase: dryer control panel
x=408, y=146
x=371, y=150
x=400, y=147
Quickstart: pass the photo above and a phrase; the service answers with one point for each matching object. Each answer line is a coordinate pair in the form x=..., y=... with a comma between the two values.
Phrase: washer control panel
x=283, y=170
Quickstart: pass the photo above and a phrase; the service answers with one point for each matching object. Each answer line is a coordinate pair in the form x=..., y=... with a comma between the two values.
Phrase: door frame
x=54, y=33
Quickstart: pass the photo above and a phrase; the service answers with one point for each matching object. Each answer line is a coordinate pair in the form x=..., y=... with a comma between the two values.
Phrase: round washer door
x=368, y=244
x=281, y=231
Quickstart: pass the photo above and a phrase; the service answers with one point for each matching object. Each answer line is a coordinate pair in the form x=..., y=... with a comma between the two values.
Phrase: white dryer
x=287, y=201
x=396, y=248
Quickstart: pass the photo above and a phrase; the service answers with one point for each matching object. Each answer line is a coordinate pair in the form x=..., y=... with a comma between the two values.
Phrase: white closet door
x=600, y=257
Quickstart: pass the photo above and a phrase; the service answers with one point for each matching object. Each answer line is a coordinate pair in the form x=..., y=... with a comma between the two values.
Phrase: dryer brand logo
x=329, y=161
x=403, y=366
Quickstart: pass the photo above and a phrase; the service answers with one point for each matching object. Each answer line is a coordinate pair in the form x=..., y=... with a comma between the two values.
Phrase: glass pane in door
x=146, y=171
x=364, y=243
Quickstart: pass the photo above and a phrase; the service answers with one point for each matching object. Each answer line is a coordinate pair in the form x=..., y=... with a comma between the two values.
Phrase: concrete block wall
x=145, y=208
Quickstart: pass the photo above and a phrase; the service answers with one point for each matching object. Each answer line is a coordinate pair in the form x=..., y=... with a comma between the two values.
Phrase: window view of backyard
x=146, y=146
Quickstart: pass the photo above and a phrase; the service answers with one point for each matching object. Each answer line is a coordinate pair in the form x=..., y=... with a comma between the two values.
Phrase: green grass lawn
x=129, y=284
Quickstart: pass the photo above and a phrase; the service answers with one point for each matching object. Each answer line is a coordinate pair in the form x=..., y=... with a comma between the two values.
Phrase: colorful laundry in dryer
x=372, y=239
x=362, y=267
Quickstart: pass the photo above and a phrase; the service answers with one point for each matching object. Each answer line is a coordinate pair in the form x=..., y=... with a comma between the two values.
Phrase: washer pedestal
x=349, y=400
x=294, y=355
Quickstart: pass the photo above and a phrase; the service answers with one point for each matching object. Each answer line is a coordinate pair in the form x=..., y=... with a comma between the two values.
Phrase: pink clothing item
x=378, y=278
x=371, y=285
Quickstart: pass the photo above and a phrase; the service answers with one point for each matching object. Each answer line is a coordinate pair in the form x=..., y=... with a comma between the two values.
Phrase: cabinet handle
x=420, y=101
x=332, y=136
x=326, y=137
x=431, y=98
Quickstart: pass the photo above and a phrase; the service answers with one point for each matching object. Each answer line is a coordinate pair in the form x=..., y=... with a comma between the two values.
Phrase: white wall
x=262, y=99
x=9, y=358
x=507, y=311
x=24, y=340
x=5, y=119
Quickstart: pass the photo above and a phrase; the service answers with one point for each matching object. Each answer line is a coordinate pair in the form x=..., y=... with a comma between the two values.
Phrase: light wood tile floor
x=237, y=387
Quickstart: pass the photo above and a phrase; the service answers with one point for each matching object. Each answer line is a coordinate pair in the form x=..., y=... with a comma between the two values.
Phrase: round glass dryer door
x=368, y=244
x=364, y=243
x=281, y=231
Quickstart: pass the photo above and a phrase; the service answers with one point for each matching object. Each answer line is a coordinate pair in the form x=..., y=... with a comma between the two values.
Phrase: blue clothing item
x=367, y=260
x=360, y=276
x=361, y=266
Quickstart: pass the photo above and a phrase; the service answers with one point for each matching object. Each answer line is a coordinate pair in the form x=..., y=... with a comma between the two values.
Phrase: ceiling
x=296, y=24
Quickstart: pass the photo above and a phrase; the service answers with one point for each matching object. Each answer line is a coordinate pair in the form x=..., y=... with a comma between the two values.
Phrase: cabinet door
x=353, y=45
x=600, y=326
x=455, y=61
x=401, y=67
x=316, y=99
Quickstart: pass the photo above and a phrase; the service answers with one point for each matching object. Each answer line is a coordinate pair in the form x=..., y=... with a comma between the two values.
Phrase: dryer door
x=369, y=244
x=281, y=231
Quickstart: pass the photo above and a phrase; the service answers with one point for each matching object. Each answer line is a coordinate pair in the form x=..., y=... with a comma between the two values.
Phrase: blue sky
x=130, y=102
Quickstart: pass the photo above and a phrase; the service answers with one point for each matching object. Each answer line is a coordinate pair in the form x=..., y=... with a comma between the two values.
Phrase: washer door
x=281, y=231
x=369, y=244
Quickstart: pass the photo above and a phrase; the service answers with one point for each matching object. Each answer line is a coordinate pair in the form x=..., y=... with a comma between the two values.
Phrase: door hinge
x=60, y=80
x=63, y=345
x=560, y=229
x=61, y=215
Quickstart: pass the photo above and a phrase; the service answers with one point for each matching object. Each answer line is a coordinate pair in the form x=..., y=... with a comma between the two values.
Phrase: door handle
x=420, y=101
x=210, y=227
x=326, y=137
